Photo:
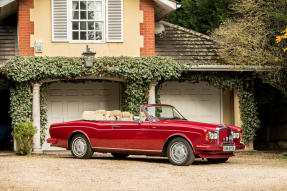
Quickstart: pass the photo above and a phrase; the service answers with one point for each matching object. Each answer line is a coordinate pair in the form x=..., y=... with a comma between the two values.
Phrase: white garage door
x=195, y=101
x=67, y=101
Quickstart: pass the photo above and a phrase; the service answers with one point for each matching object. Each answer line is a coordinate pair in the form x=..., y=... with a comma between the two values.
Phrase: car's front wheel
x=212, y=160
x=80, y=147
x=180, y=152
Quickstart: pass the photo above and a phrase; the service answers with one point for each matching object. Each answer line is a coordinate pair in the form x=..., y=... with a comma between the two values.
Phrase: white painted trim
x=122, y=23
x=170, y=4
x=37, y=148
x=151, y=93
x=53, y=37
x=52, y=2
x=69, y=26
x=69, y=22
x=235, y=68
x=86, y=42
x=5, y=2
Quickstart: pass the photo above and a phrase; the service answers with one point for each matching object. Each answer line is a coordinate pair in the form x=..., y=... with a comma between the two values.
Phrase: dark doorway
x=6, y=139
x=272, y=110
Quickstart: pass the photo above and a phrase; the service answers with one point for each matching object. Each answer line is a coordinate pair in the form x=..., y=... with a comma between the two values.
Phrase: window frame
x=70, y=19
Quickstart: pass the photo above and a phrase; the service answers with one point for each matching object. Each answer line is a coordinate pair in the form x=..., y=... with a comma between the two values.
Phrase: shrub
x=23, y=133
x=282, y=144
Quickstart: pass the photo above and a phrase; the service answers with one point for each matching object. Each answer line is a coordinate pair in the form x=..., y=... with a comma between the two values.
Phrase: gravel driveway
x=246, y=171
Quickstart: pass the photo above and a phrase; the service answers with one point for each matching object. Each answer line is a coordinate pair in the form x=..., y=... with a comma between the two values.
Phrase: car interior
x=103, y=115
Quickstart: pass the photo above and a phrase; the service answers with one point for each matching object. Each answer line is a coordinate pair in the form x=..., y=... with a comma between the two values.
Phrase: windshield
x=163, y=112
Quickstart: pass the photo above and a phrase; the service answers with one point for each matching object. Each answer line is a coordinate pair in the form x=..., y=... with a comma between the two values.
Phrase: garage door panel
x=56, y=92
x=67, y=101
x=55, y=107
x=88, y=92
x=196, y=101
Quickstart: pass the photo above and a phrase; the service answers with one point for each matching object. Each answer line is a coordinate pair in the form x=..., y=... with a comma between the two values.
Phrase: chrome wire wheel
x=178, y=152
x=79, y=147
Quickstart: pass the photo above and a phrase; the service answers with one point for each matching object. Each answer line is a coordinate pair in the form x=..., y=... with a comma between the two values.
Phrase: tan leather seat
x=100, y=115
x=127, y=116
x=117, y=114
x=109, y=116
x=101, y=112
x=89, y=115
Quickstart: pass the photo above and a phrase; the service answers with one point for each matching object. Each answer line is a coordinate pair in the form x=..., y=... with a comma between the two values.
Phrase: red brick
x=25, y=27
x=147, y=28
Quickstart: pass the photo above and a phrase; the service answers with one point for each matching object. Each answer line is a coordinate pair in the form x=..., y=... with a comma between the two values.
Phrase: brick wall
x=147, y=28
x=25, y=27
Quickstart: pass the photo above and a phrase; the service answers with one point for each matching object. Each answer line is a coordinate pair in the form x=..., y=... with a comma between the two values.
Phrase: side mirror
x=137, y=118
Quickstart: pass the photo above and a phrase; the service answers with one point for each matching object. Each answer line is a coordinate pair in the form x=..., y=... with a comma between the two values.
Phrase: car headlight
x=212, y=135
x=235, y=134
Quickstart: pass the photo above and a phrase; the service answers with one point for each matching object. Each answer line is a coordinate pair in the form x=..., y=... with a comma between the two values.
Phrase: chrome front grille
x=224, y=135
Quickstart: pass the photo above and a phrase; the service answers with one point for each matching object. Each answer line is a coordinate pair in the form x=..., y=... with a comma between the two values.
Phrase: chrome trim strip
x=126, y=149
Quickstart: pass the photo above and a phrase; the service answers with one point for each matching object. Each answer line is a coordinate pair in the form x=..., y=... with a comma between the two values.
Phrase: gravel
x=60, y=172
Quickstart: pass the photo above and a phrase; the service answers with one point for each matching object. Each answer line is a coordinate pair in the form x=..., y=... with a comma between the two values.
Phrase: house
x=112, y=28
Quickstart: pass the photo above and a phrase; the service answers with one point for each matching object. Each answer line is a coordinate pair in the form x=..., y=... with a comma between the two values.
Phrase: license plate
x=228, y=148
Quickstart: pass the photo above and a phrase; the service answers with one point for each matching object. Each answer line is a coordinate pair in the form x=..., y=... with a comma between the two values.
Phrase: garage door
x=67, y=101
x=195, y=101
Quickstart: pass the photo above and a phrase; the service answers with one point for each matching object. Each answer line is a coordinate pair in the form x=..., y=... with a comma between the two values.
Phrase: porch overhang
x=227, y=68
x=7, y=8
x=164, y=7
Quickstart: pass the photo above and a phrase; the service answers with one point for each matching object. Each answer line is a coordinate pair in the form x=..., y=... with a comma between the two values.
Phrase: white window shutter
x=59, y=20
x=114, y=20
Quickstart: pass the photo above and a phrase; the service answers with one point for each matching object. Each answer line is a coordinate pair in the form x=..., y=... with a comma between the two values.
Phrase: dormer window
x=87, y=20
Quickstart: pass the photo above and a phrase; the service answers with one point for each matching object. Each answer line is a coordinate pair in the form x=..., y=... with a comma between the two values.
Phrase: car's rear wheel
x=222, y=160
x=119, y=155
x=180, y=152
x=80, y=147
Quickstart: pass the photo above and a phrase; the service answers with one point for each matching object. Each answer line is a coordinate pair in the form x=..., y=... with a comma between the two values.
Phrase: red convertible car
x=159, y=130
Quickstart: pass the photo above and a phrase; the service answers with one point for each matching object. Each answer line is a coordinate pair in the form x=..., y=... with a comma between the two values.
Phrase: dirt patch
x=246, y=171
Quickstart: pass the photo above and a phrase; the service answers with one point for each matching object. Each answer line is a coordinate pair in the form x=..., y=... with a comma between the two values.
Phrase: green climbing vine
x=20, y=103
x=137, y=72
x=43, y=112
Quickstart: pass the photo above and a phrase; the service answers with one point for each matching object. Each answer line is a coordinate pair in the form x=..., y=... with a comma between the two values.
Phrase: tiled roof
x=185, y=45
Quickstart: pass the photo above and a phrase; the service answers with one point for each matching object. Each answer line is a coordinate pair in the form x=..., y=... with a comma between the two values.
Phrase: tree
x=282, y=40
x=201, y=15
x=249, y=38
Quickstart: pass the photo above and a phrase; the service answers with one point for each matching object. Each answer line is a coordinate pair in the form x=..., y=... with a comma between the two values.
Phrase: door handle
x=115, y=127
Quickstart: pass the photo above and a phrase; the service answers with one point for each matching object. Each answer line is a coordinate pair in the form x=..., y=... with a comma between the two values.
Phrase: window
x=87, y=21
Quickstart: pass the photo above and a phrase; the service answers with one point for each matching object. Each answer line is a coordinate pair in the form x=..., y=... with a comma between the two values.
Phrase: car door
x=129, y=135
x=157, y=133
x=101, y=134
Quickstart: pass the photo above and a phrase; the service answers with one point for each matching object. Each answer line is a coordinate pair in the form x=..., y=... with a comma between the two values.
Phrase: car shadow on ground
x=137, y=158
x=162, y=160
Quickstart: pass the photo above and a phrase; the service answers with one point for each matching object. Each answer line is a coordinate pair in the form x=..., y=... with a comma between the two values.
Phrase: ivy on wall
x=43, y=112
x=138, y=72
x=20, y=103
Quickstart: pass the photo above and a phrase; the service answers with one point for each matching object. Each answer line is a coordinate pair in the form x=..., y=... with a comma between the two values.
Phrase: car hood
x=197, y=125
